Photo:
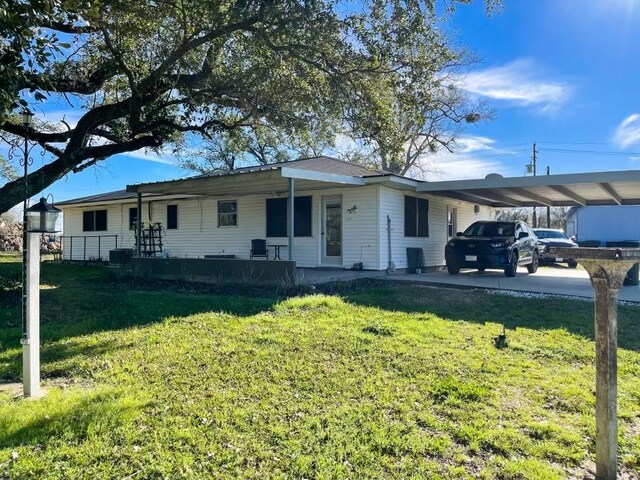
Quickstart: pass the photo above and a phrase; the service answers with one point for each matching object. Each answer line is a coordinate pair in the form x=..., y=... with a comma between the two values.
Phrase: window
x=416, y=217
x=227, y=213
x=172, y=217
x=94, y=221
x=133, y=216
x=452, y=213
x=277, y=216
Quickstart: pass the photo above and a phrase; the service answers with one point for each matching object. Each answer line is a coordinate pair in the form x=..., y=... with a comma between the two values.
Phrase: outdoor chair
x=259, y=249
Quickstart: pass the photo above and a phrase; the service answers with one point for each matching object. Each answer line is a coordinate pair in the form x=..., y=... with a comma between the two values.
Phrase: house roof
x=101, y=197
x=566, y=190
x=310, y=174
x=322, y=164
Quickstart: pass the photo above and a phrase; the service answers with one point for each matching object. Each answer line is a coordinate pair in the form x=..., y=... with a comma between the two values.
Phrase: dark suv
x=499, y=245
x=549, y=237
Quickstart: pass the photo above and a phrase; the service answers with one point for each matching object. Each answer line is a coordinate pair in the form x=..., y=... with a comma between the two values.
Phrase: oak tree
x=150, y=73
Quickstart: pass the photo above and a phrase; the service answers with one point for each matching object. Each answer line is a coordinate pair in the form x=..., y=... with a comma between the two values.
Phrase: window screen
x=94, y=221
x=172, y=217
x=277, y=217
x=416, y=217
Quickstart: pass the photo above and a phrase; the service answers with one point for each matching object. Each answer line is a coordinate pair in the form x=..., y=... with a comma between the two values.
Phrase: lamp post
x=35, y=220
x=40, y=218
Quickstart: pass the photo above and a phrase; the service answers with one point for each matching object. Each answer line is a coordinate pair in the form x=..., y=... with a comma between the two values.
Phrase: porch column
x=139, y=226
x=291, y=217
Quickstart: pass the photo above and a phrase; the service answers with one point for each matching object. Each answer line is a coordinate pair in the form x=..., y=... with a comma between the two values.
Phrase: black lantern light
x=42, y=217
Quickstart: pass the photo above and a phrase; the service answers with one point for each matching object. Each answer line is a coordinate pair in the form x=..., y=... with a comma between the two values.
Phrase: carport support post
x=291, y=218
x=139, y=226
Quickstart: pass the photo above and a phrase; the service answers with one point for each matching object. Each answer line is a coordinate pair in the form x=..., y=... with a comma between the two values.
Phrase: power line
x=598, y=152
x=589, y=143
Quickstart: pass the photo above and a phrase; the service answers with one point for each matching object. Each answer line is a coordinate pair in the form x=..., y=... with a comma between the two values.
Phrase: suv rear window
x=494, y=229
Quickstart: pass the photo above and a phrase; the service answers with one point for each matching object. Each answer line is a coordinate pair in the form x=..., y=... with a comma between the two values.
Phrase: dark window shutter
x=302, y=216
x=101, y=220
x=276, y=217
x=133, y=215
x=88, y=221
x=410, y=223
x=423, y=217
x=172, y=217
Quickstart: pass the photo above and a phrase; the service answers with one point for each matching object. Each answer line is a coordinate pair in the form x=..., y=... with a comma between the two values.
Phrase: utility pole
x=548, y=207
x=535, y=159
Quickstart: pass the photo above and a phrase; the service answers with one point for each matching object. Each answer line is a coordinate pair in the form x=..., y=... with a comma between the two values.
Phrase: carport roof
x=598, y=188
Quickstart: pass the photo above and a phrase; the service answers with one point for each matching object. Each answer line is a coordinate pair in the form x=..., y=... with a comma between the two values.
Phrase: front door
x=332, y=230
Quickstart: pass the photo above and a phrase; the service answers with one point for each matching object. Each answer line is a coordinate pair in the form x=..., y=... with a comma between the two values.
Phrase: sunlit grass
x=385, y=382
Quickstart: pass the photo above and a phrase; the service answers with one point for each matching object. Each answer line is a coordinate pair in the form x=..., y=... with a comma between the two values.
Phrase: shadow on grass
x=480, y=307
x=56, y=358
x=89, y=300
x=68, y=416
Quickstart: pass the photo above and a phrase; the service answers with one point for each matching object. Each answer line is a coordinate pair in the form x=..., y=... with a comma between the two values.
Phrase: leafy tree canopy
x=146, y=73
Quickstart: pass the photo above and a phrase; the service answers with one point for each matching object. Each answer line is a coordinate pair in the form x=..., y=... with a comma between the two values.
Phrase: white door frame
x=324, y=259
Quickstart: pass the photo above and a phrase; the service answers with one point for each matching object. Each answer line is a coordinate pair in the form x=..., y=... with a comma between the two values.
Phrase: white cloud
x=150, y=156
x=517, y=83
x=628, y=132
x=474, y=157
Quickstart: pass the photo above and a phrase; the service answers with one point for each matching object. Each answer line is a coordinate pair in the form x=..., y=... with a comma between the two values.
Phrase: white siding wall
x=392, y=204
x=198, y=234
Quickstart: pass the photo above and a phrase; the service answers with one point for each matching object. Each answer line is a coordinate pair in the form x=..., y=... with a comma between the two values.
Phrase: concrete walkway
x=550, y=280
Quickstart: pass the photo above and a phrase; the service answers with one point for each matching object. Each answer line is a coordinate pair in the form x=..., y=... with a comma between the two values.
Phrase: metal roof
x=101, y=197
x=267, y=178
x=566, y=190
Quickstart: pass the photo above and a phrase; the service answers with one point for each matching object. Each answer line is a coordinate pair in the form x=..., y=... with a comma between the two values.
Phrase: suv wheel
x=510, y=271
x=533, y=266
x=452, y=268
x=572, y=264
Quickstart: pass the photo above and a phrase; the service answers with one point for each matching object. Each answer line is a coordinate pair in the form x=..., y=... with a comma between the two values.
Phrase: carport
x=566, y=190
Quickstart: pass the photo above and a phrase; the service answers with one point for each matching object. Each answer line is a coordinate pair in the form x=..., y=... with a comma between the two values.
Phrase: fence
x=87, y=247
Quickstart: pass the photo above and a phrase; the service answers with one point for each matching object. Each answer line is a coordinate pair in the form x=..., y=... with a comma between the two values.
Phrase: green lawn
x=377, y=382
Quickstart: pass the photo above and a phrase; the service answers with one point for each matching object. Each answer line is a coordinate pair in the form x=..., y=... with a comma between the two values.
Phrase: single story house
x=604, y=223
x=342, y=214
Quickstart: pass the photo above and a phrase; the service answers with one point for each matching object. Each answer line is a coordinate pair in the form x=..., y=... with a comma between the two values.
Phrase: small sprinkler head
x=501, y=340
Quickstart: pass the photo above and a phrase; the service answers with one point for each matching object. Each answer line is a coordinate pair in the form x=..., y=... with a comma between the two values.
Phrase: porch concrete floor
x=556, y=280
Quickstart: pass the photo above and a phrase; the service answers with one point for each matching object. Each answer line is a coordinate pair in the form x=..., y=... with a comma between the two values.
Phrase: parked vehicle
x=551, y=237
x=493, y=245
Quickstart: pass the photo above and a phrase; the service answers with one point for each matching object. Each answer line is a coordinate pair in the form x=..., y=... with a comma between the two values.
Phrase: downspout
x=291, y=218
x=139, y=226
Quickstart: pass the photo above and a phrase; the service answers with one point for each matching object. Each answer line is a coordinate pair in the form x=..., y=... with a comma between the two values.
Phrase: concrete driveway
x=556, y=280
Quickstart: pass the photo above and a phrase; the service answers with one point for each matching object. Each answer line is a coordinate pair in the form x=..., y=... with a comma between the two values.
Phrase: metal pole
x=24, y=233
x=139, y=226
x=291, y=218
x=548, y=207
x=535, y=215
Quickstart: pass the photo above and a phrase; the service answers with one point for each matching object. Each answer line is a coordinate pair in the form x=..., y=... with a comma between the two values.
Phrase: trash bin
x=415, y=260
x=633, y=275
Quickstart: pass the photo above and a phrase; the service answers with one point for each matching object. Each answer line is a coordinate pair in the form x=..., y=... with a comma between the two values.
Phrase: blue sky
x=565, y=74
